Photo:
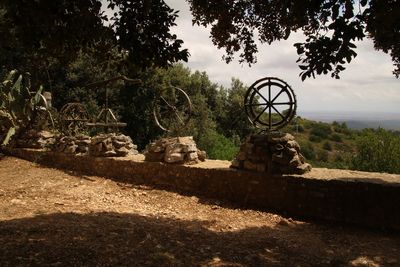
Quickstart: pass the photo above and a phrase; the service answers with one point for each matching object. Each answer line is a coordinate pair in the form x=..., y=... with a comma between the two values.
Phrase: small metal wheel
x=172, y=109
x=74, y=117
x=270, y=103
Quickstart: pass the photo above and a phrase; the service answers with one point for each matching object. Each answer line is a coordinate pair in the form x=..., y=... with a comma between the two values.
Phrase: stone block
x=295, y=161
x=261, y=167
x=291, y=152
x=154, y=156
x=174, y=157
x=249, y=165
x=202, y=155
x=187, y=148
x=235, y=163
x=293, y=144
x=303, y=168
x=192, y=156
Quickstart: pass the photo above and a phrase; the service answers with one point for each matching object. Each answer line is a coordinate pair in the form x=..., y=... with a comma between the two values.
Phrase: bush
x=327, y=146
x=341, y=128
x=307, y=150
x=314, y=138
x=217, y=146
x=336, y=138
x=322, y=130
x=377, y=150
x=322, y=155
x=298, y=128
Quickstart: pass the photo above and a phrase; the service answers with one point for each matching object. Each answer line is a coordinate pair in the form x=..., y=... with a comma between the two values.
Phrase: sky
x=367, y=84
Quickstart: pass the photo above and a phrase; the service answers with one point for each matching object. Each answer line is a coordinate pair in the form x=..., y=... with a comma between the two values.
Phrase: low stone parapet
x=361, y=198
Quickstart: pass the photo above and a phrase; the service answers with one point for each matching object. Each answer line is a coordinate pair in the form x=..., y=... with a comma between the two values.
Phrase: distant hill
x=385, y=124
x=357, y=120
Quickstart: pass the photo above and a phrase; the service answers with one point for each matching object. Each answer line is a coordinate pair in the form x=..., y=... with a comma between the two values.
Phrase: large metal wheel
x=172, y=109
x=74, y=117
x=270, y=103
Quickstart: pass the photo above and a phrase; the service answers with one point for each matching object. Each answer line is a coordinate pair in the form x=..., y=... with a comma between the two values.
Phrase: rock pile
x=175, y=150
x=112, y=145
x=35, y=139
x=275, y=153
x=78, y=144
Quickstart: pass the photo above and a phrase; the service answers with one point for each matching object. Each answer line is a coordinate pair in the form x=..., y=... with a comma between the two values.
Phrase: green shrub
x=307, y=150
x=377, y=150
x=298, y=128
x=322, y=155
x=327, y=146
x=322, y=130
x=314, y=138
x=217, y=146
x=336, y=138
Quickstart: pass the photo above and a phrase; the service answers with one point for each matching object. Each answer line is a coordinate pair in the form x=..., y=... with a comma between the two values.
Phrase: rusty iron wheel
x=270, y=103
x=74, y=117
x=172, y=109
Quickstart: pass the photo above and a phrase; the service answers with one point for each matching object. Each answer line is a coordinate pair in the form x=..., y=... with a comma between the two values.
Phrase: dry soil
x=54, y=217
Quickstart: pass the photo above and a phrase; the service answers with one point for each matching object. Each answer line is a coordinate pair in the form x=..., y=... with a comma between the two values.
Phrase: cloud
x=367, y=84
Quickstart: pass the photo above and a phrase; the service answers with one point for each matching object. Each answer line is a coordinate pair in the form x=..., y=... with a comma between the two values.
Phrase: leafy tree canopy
x=34, y=32
x=330, y=27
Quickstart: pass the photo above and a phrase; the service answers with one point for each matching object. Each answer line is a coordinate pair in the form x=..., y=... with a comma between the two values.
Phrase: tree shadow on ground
x=115, y=239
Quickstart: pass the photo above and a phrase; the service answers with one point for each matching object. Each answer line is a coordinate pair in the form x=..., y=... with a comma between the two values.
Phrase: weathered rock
x=111, y=145
x=70, y=149
x=279, y=137
x=175, y=150
x=275, y=153
x=174, y=157
x=192, y=156
x=202, y=155
x=303, y=168
x=36, y=139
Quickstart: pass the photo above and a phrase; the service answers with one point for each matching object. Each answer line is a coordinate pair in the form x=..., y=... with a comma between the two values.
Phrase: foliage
x=307, y=150
x=331, y=28
x=322, y=155
x=218, y=146
x=336, y=137
x=321, y=130
x=377, y=150
x=314, y=138
x=17, y=104
x=327, y=146
x=143, y=29
x=36, y=35
x=341, y=128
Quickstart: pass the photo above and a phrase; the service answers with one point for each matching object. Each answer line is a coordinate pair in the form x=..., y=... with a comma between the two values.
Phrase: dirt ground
x=54, y=217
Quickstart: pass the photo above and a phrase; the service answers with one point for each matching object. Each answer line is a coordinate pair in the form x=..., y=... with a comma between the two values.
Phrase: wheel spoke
x=258, y=92
x=179, y=117
x=283, y=103
x=258, y=116
x=280, y=92
x=280, y=114
x=255, y=105
x=270, y=111
x=166, y=102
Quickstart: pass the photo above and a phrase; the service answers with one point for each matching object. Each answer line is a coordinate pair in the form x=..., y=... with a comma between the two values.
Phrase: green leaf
x=37, y=98
x=9, y=134
x=16, y=88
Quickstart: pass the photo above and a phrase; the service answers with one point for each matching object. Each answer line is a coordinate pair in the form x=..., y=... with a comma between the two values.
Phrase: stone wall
x=274, y=153
x=370, y=202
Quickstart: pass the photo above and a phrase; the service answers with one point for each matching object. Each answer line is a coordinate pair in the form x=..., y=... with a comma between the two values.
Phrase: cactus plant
x=17, y=104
